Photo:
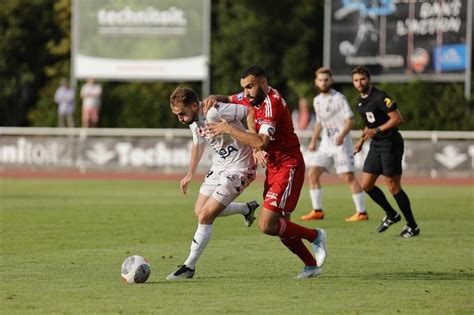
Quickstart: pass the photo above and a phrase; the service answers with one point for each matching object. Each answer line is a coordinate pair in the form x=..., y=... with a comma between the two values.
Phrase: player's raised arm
x=212, y=100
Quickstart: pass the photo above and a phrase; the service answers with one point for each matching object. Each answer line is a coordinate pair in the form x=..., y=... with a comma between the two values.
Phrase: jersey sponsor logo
x=388, y=102
x=271, y=132
x=226, y=152
x=370, y=117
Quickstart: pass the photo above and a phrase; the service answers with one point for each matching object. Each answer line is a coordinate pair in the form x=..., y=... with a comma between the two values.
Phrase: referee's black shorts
x=385, y=159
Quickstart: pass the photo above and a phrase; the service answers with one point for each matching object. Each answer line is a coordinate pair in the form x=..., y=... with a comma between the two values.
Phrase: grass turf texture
x=62, y=244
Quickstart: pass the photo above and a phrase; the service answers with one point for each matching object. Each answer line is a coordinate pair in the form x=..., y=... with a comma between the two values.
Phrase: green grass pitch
x=62, y=243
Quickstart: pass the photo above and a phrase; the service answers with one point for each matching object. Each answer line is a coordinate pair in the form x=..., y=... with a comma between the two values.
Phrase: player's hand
x=208, y=102
x=218, y=128
x=312, y=145
x=368, y=133
x=184, y=183
x=261, y=157
x=339, y=140
x=357, y=147
x=359, y=143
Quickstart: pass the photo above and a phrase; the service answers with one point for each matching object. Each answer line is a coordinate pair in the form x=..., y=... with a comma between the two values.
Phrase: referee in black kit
x=381, y=118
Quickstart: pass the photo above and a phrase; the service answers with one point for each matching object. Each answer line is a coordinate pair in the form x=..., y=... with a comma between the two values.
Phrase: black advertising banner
x=399, y=39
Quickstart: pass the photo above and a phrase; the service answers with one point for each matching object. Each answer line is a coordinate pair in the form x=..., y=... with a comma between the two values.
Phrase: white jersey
x=331, y=112
x=229, y=153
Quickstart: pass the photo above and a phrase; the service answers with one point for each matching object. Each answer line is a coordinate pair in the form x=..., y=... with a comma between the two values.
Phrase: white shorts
x=340, y=156
x=225, y=185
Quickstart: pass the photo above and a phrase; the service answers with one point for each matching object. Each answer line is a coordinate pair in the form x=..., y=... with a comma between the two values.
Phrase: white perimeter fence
x=427, y=153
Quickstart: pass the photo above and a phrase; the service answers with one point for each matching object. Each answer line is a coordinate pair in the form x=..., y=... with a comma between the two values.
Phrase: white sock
x=235, y=208
x=316, y=198
x=201, y=238
x=359, y=202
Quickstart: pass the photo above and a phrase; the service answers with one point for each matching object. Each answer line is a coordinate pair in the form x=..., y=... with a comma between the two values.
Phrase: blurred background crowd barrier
x=167, y=151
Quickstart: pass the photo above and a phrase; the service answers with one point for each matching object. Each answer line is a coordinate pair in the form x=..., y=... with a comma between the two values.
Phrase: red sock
x=296, y=246
x=289, y=229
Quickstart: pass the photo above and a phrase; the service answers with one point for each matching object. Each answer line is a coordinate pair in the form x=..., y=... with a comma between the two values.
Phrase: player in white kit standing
x=334, y=120
x=232, y=171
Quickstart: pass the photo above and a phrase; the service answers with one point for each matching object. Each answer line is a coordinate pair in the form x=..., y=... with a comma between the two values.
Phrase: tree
x=27, y=28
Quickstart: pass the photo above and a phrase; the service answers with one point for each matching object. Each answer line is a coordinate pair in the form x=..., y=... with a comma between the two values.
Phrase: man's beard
x=255, y=101
x=326, y=90
x=366, y=89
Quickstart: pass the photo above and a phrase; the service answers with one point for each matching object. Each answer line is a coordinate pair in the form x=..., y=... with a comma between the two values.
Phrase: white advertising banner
x=141, y=39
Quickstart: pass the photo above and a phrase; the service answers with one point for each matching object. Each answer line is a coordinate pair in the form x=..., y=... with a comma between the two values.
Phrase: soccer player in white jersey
x=334, y=120
x=232, y=171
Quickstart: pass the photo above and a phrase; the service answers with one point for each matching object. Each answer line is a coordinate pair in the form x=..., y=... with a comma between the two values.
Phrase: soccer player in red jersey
x=278, y=149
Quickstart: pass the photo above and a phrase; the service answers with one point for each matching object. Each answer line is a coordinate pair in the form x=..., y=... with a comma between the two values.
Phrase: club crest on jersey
x=240, y=96
x=388, y=102
x=271, y=132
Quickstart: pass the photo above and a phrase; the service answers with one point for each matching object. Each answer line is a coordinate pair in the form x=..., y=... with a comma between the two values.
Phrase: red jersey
x=273, y=118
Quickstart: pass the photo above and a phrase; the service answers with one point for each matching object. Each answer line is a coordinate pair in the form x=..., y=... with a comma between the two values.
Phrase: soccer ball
x=135, y=269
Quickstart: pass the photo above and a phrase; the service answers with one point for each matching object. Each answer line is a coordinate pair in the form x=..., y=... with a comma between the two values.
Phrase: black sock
x=404, y=205
x=377, y=195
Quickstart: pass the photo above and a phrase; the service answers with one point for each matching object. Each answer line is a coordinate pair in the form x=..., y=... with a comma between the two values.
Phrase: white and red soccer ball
x=136, y=269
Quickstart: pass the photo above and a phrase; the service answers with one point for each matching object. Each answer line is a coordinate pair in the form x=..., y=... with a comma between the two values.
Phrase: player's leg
x=232, y=184
x=206, y=210
x=392, y=170
x=372, y=169
x=377, y=195
x=281, y=197
x=315, y=194
x=291, y=234
x=357, y=197
x=319, y=163
x=344, y=162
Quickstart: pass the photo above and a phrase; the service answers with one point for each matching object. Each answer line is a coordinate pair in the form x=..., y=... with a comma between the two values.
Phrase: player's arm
x=212, y=100
x=197, y=151
x=257, y=141
x=348, y=124
x=358, y=145
x=315, y=136
x=395, y=119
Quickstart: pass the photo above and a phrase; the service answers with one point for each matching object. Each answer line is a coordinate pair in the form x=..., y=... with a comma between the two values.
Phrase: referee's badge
x=388, y=102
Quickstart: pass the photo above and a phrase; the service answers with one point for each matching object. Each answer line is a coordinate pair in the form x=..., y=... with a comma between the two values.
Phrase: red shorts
x=283, y=186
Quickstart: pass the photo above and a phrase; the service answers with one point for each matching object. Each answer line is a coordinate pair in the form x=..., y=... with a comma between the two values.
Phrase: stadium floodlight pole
x=467, y=81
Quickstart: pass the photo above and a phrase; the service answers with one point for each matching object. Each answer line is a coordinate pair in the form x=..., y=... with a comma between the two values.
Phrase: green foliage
x=285, y=37
x=62, y=243
x=27, y=31
x=139, y=105
x=426, y=105
x=281, y=36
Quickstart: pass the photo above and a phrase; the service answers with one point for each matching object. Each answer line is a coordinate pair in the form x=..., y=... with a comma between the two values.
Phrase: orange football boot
x=358, y=217
x=313, y=215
